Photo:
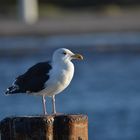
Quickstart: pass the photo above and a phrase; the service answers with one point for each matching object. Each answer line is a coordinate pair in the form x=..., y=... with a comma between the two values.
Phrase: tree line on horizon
x=78, y=3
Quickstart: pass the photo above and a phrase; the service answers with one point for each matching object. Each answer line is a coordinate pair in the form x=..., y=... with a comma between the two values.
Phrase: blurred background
x=106, y=85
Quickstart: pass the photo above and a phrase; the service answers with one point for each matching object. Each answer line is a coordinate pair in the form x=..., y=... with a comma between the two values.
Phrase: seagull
x=47, y=79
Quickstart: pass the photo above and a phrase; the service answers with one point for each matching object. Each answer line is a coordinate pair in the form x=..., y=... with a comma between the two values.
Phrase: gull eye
x=64, y=53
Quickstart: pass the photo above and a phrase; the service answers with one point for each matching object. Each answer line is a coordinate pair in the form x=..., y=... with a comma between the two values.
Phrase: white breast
x=60, y=78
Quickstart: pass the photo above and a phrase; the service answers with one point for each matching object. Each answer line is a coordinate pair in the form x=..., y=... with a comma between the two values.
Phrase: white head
x=64, y=54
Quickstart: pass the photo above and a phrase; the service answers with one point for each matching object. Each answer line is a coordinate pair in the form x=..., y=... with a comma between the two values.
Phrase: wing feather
x=33, y=80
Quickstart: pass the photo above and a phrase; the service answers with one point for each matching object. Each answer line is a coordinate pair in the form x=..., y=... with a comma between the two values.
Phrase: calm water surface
x=106, y=86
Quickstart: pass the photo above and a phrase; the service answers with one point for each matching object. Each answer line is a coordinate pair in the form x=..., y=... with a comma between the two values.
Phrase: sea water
x=106, y=85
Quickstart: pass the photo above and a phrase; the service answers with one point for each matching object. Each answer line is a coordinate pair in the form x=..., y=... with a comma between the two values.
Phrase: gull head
x=64, y=54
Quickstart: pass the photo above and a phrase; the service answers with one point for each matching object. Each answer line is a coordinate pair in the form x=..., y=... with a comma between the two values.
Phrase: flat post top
x=48, y=127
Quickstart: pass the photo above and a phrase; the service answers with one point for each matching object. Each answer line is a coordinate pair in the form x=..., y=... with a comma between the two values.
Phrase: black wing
x=33, y=80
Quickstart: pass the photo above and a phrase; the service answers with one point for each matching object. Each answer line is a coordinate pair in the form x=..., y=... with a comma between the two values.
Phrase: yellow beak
x=77, y=56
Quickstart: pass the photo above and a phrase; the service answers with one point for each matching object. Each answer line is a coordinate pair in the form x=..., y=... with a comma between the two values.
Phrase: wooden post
x=50, y=127
x=28, y=11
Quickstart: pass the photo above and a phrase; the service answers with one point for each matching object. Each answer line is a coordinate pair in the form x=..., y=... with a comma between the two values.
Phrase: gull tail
x=12, y=90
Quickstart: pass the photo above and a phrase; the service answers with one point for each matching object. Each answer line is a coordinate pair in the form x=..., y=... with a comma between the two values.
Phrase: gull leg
x=44, y=105
x=53, y=104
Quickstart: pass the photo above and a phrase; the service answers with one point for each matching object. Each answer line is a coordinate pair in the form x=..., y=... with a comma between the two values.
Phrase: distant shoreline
x=74, y=23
